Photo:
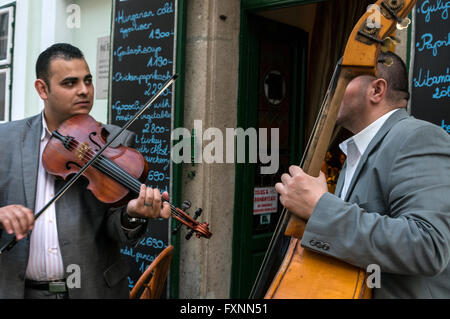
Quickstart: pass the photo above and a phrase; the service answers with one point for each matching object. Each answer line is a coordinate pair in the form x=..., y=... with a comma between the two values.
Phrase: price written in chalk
x=142, y=61
x=430, y=89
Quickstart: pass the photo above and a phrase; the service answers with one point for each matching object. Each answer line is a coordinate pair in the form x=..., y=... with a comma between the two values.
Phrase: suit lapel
x=30, y=158
x=390, y=122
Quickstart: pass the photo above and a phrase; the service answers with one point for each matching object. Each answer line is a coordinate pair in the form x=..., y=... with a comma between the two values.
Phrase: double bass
x=288, y=270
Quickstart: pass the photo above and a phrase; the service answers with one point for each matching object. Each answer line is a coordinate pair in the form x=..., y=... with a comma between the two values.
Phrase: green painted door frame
x=174, y=275
x=255, y=5
x=246, y=118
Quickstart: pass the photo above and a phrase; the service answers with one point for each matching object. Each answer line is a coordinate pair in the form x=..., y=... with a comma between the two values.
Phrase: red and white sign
x=265, y=200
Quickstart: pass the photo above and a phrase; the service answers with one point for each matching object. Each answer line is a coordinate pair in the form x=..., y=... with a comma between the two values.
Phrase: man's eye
x=88, y=81
x=69, y=84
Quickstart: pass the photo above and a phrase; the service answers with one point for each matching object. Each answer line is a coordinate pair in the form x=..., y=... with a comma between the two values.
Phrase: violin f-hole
x=68, y=165
x=92, y=140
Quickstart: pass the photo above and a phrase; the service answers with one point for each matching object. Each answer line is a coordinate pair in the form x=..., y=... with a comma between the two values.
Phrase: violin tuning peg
x=186, y=205
x=197, y=213
x=189, y=235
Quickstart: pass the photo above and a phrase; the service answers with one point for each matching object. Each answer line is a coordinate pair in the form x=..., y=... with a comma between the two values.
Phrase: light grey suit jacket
x=396, y=213
x=89, y=231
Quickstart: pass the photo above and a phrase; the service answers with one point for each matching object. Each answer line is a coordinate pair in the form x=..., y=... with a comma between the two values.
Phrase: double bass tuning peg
x=389, y=42
x=390, y=8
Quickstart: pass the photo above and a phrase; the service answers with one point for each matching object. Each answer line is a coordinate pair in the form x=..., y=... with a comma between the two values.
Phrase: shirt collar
x=45, y=132
x=363, y=138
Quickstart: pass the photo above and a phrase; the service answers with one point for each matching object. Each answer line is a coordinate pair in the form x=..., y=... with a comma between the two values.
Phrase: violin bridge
x=82, y=150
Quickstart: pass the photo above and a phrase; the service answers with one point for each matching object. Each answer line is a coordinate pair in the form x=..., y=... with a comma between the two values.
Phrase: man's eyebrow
x=70, y=79
x=74, y=79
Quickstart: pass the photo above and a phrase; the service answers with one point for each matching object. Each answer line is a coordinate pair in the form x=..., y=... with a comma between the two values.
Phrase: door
x=271, y=96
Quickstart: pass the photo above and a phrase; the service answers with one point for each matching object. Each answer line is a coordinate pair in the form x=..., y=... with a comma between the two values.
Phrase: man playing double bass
x=78, y=229
x=391, y=207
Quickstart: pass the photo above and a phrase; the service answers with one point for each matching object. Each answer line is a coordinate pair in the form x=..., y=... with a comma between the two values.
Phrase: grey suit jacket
x=396, y=213
x=89, y=231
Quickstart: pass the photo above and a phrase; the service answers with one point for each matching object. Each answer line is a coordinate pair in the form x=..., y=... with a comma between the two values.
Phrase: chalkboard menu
x=142, y=60
x=431, y=71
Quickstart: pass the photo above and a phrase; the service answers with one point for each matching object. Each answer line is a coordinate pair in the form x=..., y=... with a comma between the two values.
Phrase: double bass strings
x=278, y=235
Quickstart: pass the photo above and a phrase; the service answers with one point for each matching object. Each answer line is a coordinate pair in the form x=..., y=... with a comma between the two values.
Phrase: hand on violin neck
x=148, y=204
x=300, y=192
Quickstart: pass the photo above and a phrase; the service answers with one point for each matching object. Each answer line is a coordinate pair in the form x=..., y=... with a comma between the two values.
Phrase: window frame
x=7, y=72
x=7, y=63
x=10, y=10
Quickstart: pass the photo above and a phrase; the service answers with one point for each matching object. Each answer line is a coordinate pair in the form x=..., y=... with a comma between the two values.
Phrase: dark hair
x=59, y=50
x=396, y=76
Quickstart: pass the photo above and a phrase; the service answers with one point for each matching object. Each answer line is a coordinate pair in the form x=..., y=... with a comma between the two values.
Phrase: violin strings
x=124, y=178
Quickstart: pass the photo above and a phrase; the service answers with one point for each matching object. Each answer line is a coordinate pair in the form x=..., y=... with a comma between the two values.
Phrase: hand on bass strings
x=16, y=219
x=300, y=192
x=148, y=204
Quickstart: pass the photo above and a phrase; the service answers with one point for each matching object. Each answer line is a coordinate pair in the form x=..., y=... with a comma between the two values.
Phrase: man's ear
x=378, y=90
x=41, y=88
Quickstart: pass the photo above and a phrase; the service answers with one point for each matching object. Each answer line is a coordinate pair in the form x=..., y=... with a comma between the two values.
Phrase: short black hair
x=396, y=76
x=59, y=50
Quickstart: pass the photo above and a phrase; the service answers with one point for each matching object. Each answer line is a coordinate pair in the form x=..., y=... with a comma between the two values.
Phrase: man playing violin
x=78, y=229
x=391, y=207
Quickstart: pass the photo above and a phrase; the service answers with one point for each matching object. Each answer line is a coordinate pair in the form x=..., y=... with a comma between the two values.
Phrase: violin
x=115, y=177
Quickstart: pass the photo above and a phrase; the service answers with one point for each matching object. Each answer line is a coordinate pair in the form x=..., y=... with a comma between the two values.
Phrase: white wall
x=95, y=23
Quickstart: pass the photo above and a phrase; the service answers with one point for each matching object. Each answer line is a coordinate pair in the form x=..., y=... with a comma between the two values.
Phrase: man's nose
x=83, y=89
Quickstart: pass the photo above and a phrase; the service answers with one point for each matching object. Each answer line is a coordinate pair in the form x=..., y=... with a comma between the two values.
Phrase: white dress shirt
x=45, y=261
x=356, y=145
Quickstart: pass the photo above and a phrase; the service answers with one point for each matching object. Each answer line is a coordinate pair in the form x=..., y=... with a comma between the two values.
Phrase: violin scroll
x=201, y=229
